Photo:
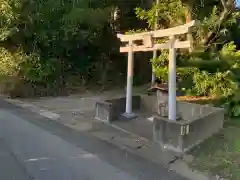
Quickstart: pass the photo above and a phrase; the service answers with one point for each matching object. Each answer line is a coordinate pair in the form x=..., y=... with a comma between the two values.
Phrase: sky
x=238, y=3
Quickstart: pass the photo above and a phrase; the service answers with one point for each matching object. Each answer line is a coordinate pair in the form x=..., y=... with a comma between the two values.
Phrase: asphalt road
x=32, y=147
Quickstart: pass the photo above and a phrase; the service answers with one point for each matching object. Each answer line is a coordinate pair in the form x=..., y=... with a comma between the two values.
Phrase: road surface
x=33, y=148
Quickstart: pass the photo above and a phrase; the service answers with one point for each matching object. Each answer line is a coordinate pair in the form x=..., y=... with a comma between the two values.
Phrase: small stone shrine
x=162, y=98
x=161, y=91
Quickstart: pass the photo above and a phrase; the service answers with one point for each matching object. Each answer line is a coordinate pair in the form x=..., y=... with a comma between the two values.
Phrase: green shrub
x=232, y=105
x=215, y=84
x=28, y=67
x=19, y=69
x=10, y=67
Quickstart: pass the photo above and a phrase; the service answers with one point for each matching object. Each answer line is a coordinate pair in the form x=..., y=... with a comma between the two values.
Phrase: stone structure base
x=198, y=122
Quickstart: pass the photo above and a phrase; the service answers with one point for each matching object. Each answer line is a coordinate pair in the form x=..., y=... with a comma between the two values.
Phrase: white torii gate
x=149, y=45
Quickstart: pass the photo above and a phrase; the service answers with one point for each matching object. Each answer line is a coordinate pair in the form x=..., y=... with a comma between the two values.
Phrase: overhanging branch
x=227, y=10
x=224, y=4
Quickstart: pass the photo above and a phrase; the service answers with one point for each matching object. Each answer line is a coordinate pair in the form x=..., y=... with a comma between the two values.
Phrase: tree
x=213, y=35
x=228, y=8
x=62, y=38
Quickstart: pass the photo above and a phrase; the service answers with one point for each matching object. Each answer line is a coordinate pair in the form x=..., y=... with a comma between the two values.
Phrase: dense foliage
x=43, y=43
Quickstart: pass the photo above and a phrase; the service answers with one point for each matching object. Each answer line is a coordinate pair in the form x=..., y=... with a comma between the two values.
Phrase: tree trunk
x=228, y=7
x=212, y=33
x=189, y=18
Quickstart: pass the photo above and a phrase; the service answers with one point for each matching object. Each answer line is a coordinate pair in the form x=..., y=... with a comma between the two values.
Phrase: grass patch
x=220, y=154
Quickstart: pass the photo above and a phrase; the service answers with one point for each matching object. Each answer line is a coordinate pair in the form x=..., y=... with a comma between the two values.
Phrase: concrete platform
x=197, y=123
x=140, y=126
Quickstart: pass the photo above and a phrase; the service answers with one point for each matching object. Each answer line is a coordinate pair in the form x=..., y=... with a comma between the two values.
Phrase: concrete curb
x=35, y=109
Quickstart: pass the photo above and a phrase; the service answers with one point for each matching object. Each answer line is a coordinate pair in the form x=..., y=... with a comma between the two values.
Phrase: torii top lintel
x=147, y=38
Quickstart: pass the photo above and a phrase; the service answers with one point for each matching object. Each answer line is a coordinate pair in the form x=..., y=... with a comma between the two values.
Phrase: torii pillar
x=130, y=69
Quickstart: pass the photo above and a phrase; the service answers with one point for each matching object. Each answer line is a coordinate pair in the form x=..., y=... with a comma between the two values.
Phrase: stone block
x=111, y=109
x=104, y=111
x=181, y=136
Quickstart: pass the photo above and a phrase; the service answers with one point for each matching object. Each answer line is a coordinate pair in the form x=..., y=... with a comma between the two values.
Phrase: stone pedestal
x=182, y=135
x=162, y=104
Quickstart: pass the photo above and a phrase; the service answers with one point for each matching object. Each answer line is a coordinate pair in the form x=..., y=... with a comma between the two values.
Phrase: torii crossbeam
x=149, y=45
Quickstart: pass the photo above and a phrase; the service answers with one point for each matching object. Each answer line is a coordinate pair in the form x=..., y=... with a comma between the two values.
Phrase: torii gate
x=149, y=45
